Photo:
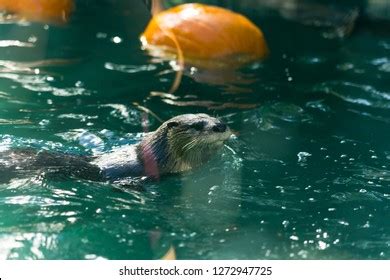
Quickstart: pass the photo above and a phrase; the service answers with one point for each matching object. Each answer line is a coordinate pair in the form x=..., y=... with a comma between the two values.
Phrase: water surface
x=307, y=177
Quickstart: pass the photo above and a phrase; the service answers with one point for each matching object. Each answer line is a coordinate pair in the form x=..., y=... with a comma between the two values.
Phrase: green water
x=307, y=177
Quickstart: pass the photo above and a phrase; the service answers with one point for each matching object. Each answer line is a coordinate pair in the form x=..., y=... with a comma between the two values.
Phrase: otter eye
x=198, y=126
x=172, y=124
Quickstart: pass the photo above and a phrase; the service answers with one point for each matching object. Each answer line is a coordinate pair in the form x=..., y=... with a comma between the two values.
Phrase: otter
x=180, y=144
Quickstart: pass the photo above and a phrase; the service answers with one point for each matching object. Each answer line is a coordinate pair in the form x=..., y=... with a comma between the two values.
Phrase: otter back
x=19, y=162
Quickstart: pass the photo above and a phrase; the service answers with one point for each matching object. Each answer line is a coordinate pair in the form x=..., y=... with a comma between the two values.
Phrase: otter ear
x=172, y=124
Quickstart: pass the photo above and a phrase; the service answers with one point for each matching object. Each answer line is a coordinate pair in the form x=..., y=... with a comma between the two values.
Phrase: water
x=307, y=177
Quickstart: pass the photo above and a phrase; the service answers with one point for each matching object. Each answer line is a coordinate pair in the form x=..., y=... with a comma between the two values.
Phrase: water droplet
x=116, y=39
x=294, y=237
x=32, y=39
x=302, y=156
x=44, y=122
x=71, y=220
x=79, y=84
x=344, y=223
x=322, y=245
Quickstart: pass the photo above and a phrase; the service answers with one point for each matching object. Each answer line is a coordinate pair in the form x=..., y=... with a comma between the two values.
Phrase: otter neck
x=163, y=152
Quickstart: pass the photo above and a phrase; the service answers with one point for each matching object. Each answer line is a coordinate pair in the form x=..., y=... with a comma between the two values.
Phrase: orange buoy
x=207, y=36
x=57, y=11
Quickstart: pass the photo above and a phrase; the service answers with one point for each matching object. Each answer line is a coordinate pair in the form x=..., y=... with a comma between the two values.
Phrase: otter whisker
x=190, y=143
x=230, y=149
x=188, y=147
x=194, y=143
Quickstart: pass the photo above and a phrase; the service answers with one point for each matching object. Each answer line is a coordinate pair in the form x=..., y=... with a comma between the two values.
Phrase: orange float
x=207, y=36
x=57, y=11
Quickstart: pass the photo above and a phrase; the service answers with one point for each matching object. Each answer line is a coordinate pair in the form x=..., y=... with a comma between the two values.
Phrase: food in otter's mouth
x=179, y=144
x=208, y=36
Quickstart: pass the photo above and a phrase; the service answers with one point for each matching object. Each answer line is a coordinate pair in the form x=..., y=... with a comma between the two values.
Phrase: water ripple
x=360, y=94
x=39, y=83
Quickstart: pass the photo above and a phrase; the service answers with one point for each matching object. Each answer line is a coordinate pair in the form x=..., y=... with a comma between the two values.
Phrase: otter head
x=184, y=142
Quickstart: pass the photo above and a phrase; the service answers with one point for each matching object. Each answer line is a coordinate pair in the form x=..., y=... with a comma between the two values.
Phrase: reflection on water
x=306, y=177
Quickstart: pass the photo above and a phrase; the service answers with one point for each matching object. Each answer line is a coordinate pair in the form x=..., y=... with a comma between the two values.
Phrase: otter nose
x=219, y=127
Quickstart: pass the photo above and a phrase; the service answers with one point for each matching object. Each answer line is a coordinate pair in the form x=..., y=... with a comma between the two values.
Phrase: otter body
x=120, y=163
x=179, y=144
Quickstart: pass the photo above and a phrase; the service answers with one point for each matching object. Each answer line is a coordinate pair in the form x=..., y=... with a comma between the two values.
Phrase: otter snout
x=219, y=127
